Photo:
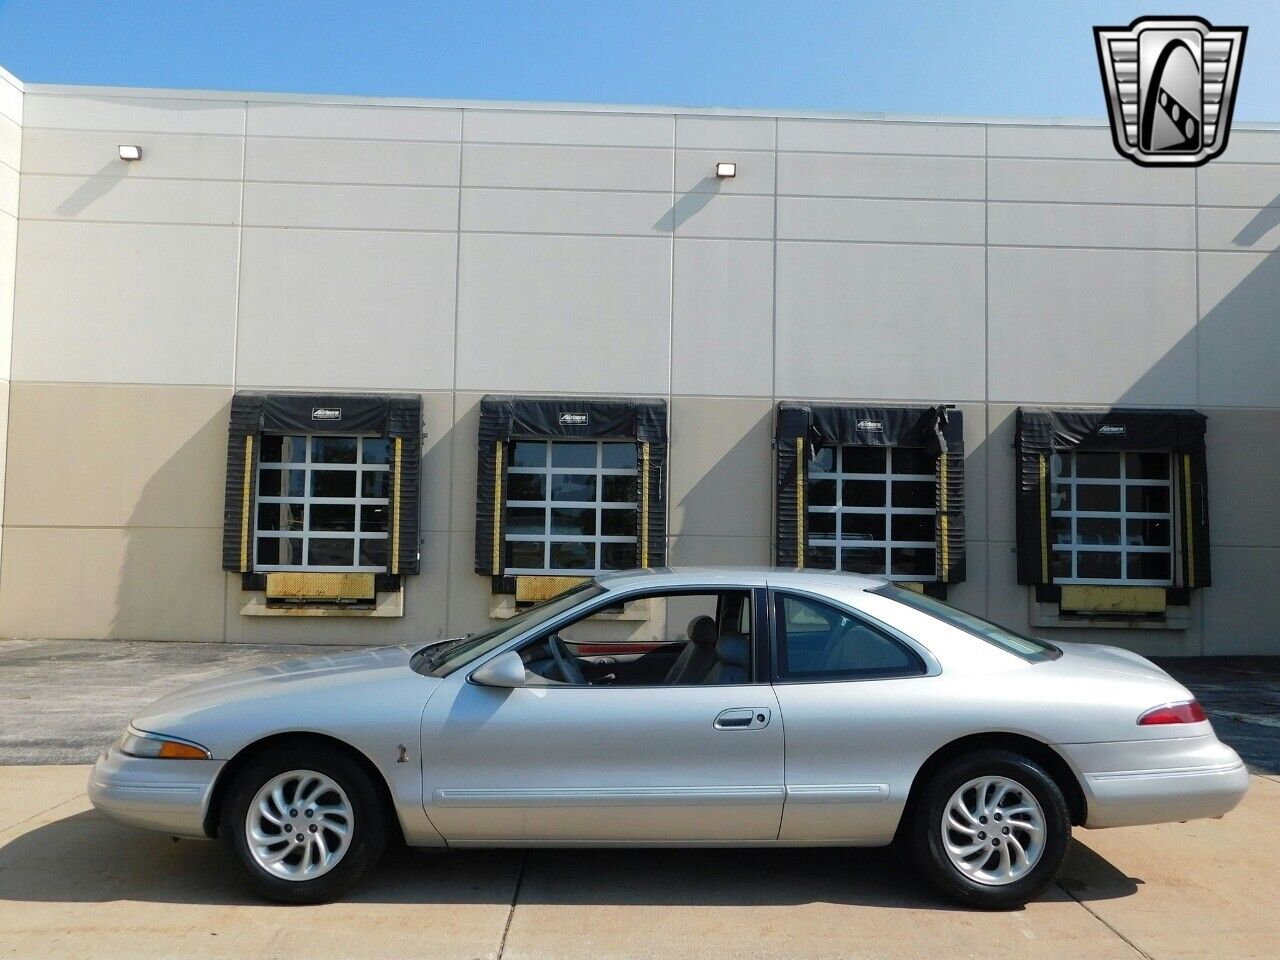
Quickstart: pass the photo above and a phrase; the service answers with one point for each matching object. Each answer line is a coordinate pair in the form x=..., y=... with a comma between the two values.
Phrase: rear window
x=1029, y=648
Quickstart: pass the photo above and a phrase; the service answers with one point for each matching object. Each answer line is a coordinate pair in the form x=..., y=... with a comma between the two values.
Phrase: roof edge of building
x=243, y=96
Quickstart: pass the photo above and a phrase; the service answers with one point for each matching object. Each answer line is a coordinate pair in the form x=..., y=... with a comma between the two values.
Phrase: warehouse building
x=336, y=370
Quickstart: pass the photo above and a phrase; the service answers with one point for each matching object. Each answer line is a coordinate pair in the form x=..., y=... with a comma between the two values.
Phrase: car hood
x=326, y=676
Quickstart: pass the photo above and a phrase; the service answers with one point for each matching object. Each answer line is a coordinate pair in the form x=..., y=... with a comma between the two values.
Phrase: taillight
x=1189, y=712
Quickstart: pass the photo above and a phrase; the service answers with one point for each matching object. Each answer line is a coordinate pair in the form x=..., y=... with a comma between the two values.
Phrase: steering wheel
x=565, y=661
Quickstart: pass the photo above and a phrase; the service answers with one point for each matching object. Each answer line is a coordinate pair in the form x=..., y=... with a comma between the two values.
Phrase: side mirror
x=505, y=670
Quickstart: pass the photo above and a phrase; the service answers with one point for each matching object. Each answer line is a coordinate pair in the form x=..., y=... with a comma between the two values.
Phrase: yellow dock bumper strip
x=800, y=517
x=245, y=505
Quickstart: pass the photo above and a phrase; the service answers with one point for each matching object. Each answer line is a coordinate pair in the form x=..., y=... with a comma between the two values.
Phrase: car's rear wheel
x=303, y=823
x=991, y=829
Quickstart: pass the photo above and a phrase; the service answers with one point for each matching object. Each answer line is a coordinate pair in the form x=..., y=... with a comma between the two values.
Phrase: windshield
x=442, y=659
x=1028, y=648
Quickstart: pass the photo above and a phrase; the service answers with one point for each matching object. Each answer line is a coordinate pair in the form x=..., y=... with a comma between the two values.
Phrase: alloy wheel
x=299, y=825
x=993, y=830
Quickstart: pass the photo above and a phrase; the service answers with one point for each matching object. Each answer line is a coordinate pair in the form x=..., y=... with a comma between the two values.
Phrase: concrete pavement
x=74, y=884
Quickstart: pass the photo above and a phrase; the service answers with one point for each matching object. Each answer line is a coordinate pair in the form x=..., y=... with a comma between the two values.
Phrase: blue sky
x=987, y=58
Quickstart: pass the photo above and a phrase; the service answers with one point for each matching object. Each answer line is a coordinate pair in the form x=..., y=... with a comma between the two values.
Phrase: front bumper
x=171, y=796
x=1159, y=781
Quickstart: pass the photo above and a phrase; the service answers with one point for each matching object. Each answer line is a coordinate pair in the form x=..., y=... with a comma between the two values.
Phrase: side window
x=694, y=637
x=815, y=641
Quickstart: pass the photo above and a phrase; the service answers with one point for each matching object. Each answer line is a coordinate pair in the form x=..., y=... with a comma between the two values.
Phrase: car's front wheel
x=991, y=829
x=303, y=823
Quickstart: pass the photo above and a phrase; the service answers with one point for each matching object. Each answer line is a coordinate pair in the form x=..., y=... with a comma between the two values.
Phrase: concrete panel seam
x=986, y=350
x=133, y=223
x=1089, y=910
x=881, y=153
x=671, y=329
x=254, y=226
x=8, y=829
x=133, y=131
x=453, y=393
x=110, y=526
x=46, y=175
x=235, y=320
x=294, y=136
x=453, y=186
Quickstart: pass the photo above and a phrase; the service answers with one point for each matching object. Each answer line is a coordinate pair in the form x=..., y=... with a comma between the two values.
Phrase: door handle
x=743, y=718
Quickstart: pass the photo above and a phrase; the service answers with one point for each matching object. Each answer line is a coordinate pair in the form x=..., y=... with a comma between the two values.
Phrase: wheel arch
x=227, y=775
x=1054, y=763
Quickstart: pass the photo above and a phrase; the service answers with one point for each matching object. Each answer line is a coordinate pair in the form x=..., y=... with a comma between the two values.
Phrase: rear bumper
x=1159, y=781
x=166, y=795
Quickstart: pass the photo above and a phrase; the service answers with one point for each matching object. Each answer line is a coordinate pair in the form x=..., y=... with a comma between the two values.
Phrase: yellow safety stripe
x=497, y=509
x=942, y=486
x=244, y=504
x=644, y=504
x=1191, y=547
x=395, y=509
x=1044, y=519
x=800, y=517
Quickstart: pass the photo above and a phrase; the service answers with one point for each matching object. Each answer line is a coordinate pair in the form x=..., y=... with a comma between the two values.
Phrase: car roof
x=752, y=576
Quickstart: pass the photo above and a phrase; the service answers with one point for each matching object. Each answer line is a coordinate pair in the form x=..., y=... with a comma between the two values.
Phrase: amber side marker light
x=1188, y=712
x=181, y=751
x=151, y=746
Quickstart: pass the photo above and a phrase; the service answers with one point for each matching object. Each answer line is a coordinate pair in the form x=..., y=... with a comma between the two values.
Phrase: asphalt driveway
x=62, y=701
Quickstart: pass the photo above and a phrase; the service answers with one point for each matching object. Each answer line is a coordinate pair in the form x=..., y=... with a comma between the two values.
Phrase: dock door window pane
x=1111, y=518
x=872, y=510
x=571, y=507
x=323, y=504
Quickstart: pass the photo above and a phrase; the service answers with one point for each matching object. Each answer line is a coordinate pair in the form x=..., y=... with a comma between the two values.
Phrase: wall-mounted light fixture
x=726, y=171
x=130, y=151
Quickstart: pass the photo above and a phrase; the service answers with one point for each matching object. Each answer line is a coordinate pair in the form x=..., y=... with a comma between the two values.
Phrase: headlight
x=138, y=743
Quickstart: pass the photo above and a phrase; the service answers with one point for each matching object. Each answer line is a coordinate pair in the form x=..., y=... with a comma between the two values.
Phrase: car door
x=850, y=691
x=602, y=764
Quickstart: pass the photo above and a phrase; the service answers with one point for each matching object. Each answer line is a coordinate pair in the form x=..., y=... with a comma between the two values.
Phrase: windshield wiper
x=442, y=650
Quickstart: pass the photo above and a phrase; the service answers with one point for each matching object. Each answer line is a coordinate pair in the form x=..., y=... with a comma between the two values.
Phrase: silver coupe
x=748, y=707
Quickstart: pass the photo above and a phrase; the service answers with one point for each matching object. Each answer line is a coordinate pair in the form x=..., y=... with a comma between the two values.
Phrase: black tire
x=365, y=841
x=926, y=829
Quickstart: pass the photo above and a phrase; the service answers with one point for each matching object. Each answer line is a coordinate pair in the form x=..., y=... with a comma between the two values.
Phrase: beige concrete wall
x=11, y=94
x=317, y=243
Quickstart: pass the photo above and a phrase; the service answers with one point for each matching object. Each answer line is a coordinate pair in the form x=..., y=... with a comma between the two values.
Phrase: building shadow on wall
x=171, y=585
x=1234, y=348
x=1228, y=359
x=1243, y=319
x=731, y=489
